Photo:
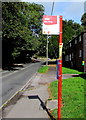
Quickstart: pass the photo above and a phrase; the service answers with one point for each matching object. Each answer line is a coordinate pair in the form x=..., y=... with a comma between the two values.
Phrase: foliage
x=22, y=32
x=70, y=30
x=83, y=20
x=43, y=69
x=17, y=19
x=53, y=47
x=73, y=97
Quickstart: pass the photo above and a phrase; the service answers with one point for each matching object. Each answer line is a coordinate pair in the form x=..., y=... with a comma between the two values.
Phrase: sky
x=69, y=9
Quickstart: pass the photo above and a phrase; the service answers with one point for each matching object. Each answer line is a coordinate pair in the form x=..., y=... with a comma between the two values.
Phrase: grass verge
x=70, y=71
x=72, y=97
x=43, y=69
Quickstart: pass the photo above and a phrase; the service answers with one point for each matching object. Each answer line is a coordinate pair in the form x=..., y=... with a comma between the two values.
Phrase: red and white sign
x=51, y=25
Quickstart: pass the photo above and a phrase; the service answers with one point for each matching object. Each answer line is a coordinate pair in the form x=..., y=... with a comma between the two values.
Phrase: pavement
x=13, y=80
x=34, y=102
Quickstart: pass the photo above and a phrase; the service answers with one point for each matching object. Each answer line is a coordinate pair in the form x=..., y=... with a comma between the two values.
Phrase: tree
x=83, y=20
x=22, y=32
x=17, y=19
x=70, y=30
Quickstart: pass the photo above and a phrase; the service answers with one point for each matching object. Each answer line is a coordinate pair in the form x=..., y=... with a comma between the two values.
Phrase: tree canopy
x=22, y=32
x=83, y=20
x=17, y=19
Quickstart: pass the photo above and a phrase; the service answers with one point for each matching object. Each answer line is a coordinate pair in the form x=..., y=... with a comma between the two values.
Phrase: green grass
x=72, y=97
x=70, y=71
x=43, y=69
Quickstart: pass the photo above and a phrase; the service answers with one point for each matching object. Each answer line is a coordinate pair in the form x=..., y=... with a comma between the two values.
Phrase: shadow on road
x=13, y=67
x=42, y=105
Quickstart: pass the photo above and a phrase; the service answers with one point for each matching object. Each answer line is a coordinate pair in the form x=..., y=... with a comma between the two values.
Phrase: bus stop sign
x=51, y=25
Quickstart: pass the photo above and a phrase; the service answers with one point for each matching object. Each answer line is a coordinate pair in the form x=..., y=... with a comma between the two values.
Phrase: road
x=13, y=81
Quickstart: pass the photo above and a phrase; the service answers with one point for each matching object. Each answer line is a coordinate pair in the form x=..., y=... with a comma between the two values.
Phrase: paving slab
x=30, y=108
x=52, y=104
x=30, y=105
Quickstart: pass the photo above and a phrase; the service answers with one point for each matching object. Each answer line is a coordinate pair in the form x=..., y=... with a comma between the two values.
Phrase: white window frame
x=69, y=57
x=66, y=58
x=80, y=39
x=70, y=44
x=75, y=41
x=80, y=53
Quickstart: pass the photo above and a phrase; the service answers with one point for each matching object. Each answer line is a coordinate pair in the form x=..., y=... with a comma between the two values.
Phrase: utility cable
x=52, y=8
x=51, y=41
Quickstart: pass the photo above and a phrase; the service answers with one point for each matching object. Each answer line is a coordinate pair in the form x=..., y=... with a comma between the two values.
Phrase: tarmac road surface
x=13, y=81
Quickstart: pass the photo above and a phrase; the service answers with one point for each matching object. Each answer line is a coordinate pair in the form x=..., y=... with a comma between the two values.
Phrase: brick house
x=75, y=53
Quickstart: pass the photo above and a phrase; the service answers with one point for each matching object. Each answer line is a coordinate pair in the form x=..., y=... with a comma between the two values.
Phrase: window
x=72, y=55
x=75, y=41
x=80, y=39
x=66, y=58
x=70, y=44
x=80, y=53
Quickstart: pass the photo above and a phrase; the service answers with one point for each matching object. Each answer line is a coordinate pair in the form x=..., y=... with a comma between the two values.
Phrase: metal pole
x=47, y=51
x=60, y=72
x=52, y=8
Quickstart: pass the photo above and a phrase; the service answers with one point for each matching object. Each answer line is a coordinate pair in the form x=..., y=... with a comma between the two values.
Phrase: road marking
x=16, y=71
x=4, y=71
x=21, y=90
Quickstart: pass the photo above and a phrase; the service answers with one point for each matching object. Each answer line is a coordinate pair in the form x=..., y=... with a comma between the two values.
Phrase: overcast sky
x=72, y=9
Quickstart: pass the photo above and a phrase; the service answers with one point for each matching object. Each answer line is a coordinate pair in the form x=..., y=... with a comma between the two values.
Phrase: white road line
x=21, y=90
x=4, y=71
x=16, y=71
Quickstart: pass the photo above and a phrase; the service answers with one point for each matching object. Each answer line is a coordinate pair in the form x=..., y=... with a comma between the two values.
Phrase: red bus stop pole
x=60, y=72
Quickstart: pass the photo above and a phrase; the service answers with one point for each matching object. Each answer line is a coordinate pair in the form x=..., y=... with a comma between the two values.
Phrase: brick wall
x=84, y=46
x=76, y=49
